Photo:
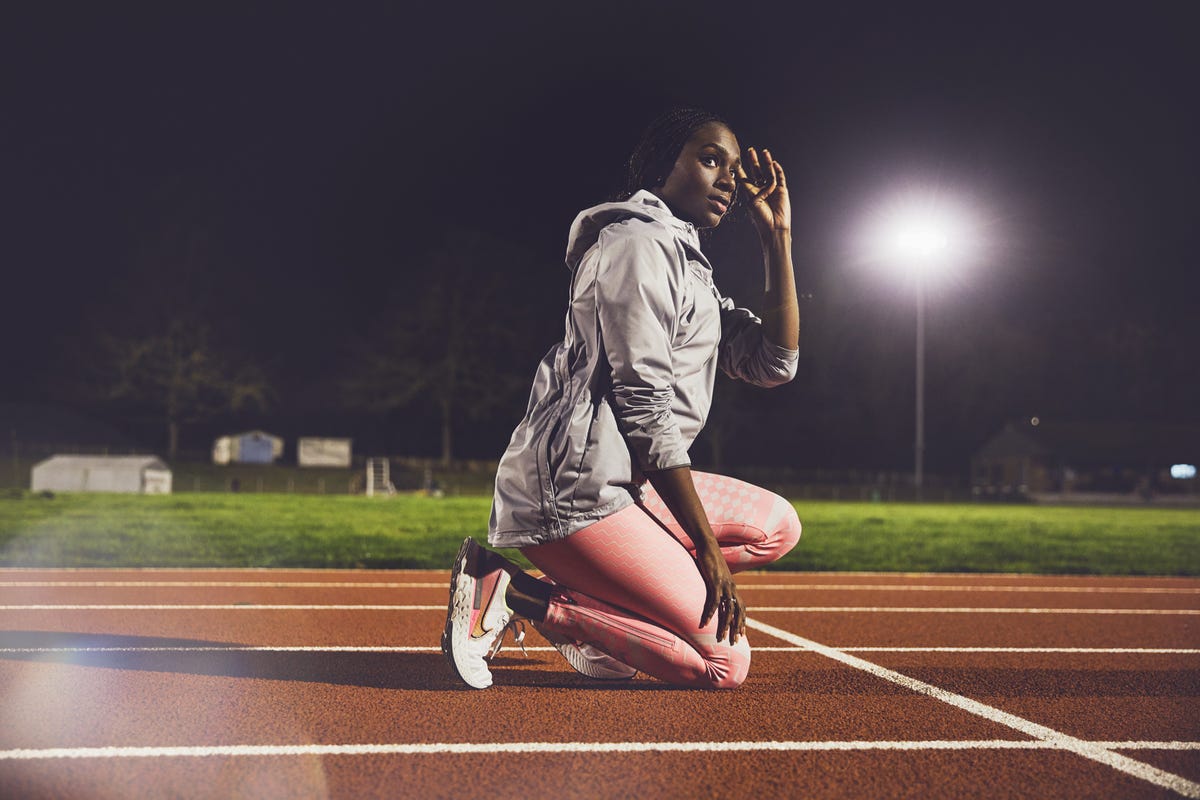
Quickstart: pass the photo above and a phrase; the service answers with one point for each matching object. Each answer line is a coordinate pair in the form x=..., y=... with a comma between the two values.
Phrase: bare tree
x=178, y=373
x=446, y=341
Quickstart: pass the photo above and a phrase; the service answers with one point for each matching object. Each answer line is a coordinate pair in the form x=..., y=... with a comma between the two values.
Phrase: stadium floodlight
x=921, y=230
x=926, y=233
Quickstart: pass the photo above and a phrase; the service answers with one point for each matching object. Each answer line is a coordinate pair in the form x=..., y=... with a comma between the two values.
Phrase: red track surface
x=76, y=677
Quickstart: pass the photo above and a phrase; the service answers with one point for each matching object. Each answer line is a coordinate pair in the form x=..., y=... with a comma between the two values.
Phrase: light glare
x=920, y=230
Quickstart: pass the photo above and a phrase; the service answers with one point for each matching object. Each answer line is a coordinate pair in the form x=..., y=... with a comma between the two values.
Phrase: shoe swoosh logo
x=479, y=631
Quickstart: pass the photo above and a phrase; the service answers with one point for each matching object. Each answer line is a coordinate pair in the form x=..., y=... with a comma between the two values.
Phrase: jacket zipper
x=545, y=473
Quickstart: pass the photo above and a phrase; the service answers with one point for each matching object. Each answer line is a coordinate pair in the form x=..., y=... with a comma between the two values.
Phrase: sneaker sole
x=463, y=557
x=583, y=666
x=569, y=651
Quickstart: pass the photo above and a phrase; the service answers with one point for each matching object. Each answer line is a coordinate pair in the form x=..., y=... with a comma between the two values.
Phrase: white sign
x=1183, y=471
x=316, y=452
x=156, y=481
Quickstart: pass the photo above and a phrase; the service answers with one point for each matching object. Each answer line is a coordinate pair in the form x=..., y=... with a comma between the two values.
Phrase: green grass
x=997, y=538
x=237, y=530
x=294, y=530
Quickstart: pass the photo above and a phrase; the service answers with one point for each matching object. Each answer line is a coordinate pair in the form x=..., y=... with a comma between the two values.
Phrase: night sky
x=296, y=162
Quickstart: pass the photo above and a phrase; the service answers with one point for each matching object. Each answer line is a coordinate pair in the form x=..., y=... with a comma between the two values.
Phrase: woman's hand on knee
x=721, y=595
x=678, y=493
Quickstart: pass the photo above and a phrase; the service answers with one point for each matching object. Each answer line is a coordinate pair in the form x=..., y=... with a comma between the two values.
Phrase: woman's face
x=701, y=184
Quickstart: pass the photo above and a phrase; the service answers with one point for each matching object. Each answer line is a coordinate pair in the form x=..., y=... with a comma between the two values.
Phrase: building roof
x=253, y=433
x=104, y=462
x=1096, y=444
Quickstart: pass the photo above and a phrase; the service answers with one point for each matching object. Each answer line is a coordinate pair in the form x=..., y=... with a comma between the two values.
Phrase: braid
x=654, y=157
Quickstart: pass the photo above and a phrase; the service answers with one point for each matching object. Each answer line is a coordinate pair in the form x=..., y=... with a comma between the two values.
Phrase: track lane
x=881, y=629
x=434, y=592
x=1086, y=749
x=340, y=697
x=290, y=698
x=1127, y=696
x=1181, y=762
x=256, y=626
x=935, y=775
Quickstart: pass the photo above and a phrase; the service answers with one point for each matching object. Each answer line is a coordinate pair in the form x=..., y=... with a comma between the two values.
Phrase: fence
x=194, y=472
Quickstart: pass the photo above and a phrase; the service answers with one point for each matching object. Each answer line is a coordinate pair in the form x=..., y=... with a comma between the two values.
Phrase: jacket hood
x=644, y=205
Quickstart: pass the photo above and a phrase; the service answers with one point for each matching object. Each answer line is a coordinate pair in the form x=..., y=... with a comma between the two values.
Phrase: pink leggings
x=628, y=584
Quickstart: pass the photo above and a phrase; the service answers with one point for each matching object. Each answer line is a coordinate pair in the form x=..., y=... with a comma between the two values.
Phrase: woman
x=595, y=487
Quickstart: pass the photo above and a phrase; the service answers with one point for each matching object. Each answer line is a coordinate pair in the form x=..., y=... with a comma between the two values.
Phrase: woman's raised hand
x=762, y=183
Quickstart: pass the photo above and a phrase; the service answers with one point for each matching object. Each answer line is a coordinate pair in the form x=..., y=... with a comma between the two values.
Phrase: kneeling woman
x=595, y=487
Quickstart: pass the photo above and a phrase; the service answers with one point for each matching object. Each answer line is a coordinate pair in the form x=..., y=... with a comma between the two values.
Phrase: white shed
x=251, y=447
x=129, y=474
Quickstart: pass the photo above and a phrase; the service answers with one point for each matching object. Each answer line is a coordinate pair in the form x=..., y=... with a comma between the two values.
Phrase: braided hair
x=655, y=154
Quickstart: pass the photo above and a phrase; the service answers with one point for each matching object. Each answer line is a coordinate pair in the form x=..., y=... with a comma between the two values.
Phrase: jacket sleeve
x=746, y=354
x=637, y=294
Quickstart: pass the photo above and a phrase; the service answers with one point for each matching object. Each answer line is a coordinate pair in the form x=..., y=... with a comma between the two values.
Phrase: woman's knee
x=728, y=665
x=784, y=526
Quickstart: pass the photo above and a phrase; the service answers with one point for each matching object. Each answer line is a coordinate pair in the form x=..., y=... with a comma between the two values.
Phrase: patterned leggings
x=628, y=584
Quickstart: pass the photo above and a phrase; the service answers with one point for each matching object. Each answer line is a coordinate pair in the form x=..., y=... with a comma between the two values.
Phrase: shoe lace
x=517, y=626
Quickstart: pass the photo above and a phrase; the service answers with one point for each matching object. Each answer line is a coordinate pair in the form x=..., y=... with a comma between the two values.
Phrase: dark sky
x=309, y=154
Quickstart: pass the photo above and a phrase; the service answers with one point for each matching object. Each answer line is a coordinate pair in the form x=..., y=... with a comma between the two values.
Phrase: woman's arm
x=770, y=209
x=678, y=492
x=637, y=310
x=781, y=311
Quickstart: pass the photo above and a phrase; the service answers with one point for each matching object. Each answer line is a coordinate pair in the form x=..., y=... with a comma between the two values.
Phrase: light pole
x=920, y=232
x=919, y=444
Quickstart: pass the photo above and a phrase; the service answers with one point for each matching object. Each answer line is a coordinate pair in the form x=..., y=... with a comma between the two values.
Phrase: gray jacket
x=629, y=387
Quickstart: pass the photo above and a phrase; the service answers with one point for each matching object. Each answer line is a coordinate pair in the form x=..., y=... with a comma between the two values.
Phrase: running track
x=299, y=683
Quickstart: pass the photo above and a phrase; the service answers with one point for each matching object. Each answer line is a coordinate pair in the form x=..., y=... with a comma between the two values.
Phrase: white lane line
x=222, y=607
x=1057, y=739
x=887, y=587
x=291, y=649
x=537, y=649
x=252, y=649
x=551, y=747
x=221, y=585
x=1149, y=745
x=970, y=610
x=843, y=587
x=1180, y=651
x=804, y=609
x=223, y=571
x=276, y=572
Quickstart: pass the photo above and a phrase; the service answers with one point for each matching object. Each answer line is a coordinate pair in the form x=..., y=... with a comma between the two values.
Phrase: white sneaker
x=477, y=616
x=588, y=660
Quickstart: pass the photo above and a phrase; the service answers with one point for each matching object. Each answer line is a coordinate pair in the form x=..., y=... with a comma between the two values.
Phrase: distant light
x=1035, y=422
x=1183, y=472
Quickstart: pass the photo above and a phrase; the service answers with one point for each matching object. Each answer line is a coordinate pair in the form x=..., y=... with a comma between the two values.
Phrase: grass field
x=278, y=530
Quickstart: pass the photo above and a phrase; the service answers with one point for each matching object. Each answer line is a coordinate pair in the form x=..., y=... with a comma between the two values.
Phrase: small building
x=251, y=447
x=1088, y=462
x=314, y=451
x=128, y=474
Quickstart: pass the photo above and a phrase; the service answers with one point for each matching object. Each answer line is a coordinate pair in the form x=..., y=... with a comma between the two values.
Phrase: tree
x=447, y=338
x=179, y=374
